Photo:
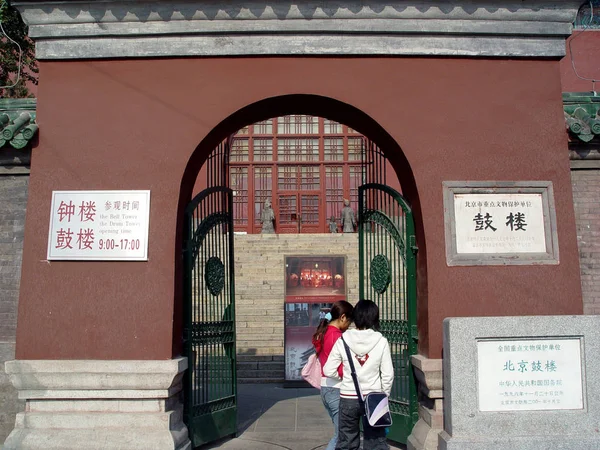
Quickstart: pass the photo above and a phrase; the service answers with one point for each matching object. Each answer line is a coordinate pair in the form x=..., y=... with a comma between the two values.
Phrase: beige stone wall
x=259, y=293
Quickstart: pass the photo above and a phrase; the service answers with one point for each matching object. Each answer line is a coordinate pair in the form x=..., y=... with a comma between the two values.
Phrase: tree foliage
x=14, y=27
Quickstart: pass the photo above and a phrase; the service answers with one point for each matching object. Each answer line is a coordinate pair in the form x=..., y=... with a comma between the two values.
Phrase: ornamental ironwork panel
x=209, y=332
x=387, y=267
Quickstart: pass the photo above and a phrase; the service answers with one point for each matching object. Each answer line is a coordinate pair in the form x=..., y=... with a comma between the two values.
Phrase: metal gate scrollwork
x=387, y=267
x=210, y=407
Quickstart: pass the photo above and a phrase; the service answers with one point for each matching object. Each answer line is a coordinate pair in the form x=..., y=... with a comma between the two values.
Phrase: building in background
x=306, y=166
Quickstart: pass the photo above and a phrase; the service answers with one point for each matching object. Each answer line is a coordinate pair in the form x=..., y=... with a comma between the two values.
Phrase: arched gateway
x=386, y=273
x=128, y=89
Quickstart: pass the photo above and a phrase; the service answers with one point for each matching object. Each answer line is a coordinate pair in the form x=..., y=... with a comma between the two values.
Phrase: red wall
x=135, y=124
x=585, y=58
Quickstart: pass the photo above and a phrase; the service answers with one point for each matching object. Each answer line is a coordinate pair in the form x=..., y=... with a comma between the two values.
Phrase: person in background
x=375, y=372
x=328, y=332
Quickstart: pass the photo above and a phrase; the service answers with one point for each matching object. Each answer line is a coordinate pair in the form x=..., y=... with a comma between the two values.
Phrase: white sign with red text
x=99, y=225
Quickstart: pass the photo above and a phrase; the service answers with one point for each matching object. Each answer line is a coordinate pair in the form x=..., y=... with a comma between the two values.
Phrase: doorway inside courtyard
x=265, y=257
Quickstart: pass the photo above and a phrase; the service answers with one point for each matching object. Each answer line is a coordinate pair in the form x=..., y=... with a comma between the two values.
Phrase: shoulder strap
x=361, y=401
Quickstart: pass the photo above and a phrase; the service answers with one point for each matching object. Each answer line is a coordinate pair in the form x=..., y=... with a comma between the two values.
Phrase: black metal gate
x=209, y=332
x=387, y=274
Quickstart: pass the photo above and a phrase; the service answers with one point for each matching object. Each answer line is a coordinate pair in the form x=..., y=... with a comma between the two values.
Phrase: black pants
x=349, y=429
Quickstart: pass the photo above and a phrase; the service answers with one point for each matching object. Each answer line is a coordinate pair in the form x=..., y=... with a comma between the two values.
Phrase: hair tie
x=328, y=317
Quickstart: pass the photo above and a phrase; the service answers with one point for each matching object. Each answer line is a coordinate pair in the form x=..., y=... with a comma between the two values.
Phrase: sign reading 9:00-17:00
x=99, y=225
x=121, y=244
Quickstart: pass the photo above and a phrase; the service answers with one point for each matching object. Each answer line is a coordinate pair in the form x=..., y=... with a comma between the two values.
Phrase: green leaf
x=16, y=29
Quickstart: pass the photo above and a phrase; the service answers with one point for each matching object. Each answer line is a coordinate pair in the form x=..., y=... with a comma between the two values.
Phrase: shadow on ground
x=272, y=417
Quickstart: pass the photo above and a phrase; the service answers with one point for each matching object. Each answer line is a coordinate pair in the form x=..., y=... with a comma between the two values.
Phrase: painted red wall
x=135, y=124
x=585, y=53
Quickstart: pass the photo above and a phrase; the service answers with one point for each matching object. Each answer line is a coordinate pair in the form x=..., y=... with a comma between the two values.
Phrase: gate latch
x=413, y=243
x=414, y=333
x=186, y=334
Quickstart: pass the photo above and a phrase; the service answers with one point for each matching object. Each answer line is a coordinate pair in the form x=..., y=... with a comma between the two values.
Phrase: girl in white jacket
x=375, y=371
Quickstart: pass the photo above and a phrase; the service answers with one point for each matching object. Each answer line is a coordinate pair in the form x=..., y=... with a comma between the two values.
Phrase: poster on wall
x=312, y=285
x=99, y=225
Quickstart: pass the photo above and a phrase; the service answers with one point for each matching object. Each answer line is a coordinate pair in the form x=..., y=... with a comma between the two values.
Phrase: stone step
x=98, y=439
x=245, y=324
x=257, y=358
x=260, y=380
x=267, y=329
x=261, y=374
x=255, y=343
x=260, y=365
x=246, y=338
x=263, y=351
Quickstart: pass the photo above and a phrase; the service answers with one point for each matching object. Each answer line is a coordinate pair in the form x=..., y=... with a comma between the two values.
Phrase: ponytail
x=321, y=329
x=339, y=308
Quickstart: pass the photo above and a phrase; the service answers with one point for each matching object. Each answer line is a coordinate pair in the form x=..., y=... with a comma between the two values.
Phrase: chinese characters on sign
x=99, y=225
x=499, y=223
x=525, y=375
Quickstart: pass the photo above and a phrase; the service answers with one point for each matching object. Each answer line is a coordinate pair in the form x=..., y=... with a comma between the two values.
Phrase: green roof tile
x=17, y=122
x=582, y=115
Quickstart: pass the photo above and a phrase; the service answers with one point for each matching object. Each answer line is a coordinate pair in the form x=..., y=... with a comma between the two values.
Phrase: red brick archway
x=312, y=105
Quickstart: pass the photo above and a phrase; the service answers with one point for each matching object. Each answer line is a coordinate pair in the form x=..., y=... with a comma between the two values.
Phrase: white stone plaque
x=499, y=223
x=99, y=225
x=529, y=375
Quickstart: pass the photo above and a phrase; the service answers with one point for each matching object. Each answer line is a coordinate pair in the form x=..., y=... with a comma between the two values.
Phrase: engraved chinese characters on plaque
x=99, y=225
x=529, y=375
x=499, y=223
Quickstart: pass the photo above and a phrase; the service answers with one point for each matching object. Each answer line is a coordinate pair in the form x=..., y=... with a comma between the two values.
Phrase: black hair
x=366, y=315
x=338, y=309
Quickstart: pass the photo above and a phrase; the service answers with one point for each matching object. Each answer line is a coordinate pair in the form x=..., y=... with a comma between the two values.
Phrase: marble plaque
x=500, y=223
x=529, y=374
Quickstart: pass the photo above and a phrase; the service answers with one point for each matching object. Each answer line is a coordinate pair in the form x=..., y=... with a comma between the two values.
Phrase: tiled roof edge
x=17, y=122
x=582, y=115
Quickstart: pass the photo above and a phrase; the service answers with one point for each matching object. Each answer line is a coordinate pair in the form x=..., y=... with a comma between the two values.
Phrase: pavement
x=271, y=417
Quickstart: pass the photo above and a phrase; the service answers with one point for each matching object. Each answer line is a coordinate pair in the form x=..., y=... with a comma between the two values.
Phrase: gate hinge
x=415, y=417
x=413, y=243
x=414, y=333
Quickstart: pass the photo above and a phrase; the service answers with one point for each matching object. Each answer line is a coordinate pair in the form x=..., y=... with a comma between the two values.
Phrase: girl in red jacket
x=328, y=332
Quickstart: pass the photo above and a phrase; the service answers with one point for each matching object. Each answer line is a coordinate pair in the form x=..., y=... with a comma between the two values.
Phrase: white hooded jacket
x=377, y=372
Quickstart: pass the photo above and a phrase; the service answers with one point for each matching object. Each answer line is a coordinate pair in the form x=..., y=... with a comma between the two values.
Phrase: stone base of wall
x=9, y=400
x=13, y=201
x=260, y=369
x=425, y=433
x=99, y=405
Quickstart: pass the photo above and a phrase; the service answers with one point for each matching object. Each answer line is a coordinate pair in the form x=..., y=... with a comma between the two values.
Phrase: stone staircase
x=259, y=295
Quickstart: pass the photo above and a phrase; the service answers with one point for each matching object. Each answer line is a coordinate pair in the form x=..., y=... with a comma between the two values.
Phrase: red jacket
x=323, y=347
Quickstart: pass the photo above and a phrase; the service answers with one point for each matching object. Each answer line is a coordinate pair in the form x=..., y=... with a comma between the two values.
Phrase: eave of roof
x=582, y=115
x=17, y=122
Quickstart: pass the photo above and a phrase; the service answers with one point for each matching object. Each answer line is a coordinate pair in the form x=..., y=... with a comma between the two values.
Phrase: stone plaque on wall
x=529, y=375
x=527, y=383
x=500, y=223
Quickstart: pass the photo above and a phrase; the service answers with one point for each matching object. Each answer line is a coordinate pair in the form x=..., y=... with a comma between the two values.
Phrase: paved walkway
x=271, y=417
